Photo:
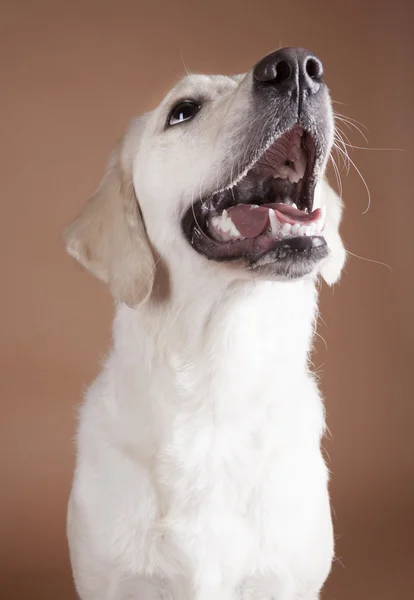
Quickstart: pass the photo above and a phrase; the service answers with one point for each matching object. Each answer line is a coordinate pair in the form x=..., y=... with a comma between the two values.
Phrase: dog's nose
x=290, y=69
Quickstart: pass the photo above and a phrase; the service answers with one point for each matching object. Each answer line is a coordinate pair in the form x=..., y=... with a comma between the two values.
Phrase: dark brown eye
x=183, y=112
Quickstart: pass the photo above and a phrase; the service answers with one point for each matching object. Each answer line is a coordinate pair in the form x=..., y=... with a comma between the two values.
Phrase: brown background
x=71, y=74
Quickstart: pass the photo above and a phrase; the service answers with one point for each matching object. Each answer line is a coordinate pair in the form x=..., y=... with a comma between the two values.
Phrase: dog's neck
x=216, y=326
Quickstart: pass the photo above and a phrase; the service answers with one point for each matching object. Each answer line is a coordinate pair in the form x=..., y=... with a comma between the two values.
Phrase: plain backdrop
x=71, y=75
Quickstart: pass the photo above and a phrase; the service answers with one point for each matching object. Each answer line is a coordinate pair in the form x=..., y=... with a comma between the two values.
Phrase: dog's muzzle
x=264, y=213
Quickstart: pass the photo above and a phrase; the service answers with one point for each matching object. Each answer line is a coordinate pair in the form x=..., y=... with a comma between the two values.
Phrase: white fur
x=199, y=474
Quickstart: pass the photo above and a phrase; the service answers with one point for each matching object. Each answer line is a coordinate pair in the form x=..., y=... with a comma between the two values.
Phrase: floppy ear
x=108, y=236
x=332, y=266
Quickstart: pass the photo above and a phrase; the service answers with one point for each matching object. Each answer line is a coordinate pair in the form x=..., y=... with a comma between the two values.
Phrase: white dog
x=199, y=473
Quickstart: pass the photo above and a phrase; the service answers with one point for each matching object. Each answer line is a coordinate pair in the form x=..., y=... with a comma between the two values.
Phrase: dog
x=199, y=473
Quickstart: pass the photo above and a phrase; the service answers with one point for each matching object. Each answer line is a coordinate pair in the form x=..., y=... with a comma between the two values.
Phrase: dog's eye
x=183, y=112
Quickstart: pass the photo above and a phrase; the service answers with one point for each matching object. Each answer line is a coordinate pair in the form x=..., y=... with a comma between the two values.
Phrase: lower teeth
x=223, y=228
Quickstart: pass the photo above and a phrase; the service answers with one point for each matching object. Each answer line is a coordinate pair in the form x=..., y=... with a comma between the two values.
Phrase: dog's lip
x=197, y=218
x=255, y=249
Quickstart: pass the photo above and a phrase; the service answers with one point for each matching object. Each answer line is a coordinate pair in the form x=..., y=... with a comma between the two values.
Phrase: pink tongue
x=251, y=222
x=289, y=214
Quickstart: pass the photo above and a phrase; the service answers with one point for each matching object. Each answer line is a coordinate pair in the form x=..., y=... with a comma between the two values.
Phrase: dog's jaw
x=260, y=216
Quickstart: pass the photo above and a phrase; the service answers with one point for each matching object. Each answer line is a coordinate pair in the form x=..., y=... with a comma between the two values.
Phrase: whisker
x=173, y=73
x=182, y=60
x=376, y=149
x=350, y=119
x=341, y=134
x=350, y=124
x=344, y=154
x=371, y=260
x=362, y=179
x=337, y=175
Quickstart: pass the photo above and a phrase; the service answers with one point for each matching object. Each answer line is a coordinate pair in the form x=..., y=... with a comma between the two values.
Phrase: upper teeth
x=296, y=171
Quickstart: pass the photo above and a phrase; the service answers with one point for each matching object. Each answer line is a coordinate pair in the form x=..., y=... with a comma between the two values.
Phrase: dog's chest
x=233, y=474
x=233, y=492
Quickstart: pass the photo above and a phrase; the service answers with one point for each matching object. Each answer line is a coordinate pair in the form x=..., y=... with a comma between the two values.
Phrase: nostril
x=283, y=71
x=314, y=68
x=289, y=69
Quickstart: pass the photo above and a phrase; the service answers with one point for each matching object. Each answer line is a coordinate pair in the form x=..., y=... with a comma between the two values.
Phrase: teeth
x=286, y=229
x=225, y=227
x=294, y=175
x=300, y=166
x=294, y=205
x=274, y=223
x=297, y=171
x=228, y=226
x=284, y=172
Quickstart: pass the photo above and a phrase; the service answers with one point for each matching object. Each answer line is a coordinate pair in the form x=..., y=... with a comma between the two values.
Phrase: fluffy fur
x=199, y=474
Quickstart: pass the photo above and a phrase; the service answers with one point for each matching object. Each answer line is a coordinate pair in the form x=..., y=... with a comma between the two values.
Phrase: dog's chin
x=264, y=221
x=292, y=259
x=286, y=259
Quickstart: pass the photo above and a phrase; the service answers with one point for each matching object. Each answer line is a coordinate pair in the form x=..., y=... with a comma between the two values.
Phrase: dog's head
x=227, y=173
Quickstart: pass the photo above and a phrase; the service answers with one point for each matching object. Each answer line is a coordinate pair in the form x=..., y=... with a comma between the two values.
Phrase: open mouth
x=268, y=209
